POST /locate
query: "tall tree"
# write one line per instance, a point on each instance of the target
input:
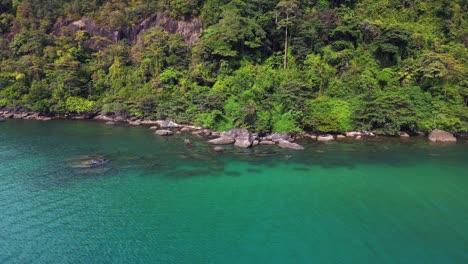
(287, 9)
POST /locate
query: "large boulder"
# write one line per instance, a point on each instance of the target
(441, 136)
(164, 132)
(243, 138)
(288, 145)
(222, 141)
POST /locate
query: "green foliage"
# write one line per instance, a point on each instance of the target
(79, 105)
(265, 65)
(329, 115)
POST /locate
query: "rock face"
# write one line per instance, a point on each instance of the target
(164, 132)
(325, 138)
(288, 145)
(222, 141)
(190, 29)
(441, 136)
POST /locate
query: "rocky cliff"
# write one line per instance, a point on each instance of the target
(190, 29)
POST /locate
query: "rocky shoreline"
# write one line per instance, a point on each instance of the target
(241, 138)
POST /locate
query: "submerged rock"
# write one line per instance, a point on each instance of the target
(164, 132)
(288, 145)
(89, 162)
(218, 149)
(2, 119)
(222, 141)
(441, 136)
(187, 142)
(110, 123)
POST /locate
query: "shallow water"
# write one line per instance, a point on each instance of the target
(159, 201)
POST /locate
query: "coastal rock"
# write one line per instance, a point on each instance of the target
(135, 123)
(325, 138)
(218, 149)
(2, 119)
(340, 137)
(149, 122)
(353, 134)
(243, 138)
(279, 136)
(358, 137)
(187, 142)
(202, 133)
(110, 123)
(167, 124)
(404, 135)
(103, 118)
(154, 128)
(185, 129)
(267, 142)
(164, 132)
(441, 136)
(288, 145)
(222, 141)
(44, 118)
(255, 143)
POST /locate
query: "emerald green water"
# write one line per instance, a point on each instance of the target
(159, 201)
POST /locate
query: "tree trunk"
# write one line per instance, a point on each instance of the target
(285, 60)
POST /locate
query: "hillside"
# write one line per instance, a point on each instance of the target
(265, 65)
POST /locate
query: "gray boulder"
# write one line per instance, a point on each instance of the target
(267, 142)
(441, 136)
(325, 138)
(222, 141)
(167, 124)
(164, 132)
(279, 136)
(288, 145)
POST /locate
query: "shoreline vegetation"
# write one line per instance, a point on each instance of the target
(384, 66)
(238, 137)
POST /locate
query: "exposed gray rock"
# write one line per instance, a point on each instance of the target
(267, 142)
(340, 137)
(167, 124)
(404, 135)
(222, 141)
(288, 145)
(325, 138)
(149, 122)
(154, 128)
(187, 141)
(164, 132)
(353, 134)
(185, 129)
(441, 136)
(279, 136)
(103, 118)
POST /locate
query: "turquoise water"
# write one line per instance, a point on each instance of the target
(159, 201)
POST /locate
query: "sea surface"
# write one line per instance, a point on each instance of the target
(160, 201)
